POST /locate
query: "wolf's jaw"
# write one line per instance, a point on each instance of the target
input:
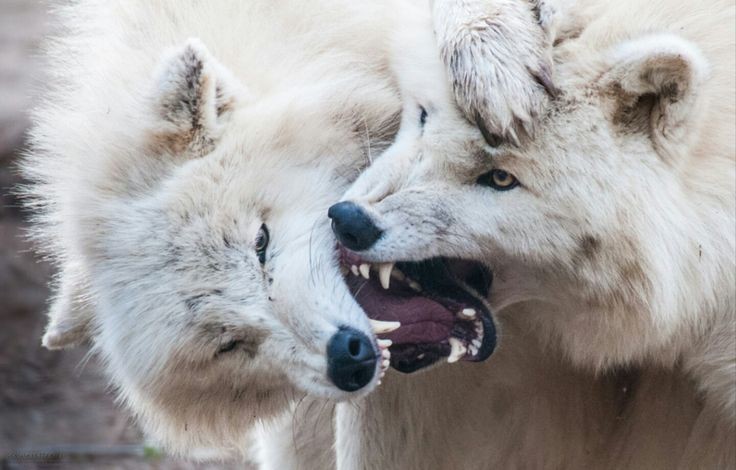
(461, 346)
(426, 313)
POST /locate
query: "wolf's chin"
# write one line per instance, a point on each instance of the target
(429, 310)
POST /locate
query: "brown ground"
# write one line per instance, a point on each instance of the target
(55, 409)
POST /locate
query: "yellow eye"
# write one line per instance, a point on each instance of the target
(499, 180)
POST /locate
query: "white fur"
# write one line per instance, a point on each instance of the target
(496, 57)
(171, 133)
(614, 262)
(156, 159)
(133, 211)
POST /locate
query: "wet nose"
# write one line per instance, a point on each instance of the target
(351, 359)
(353, 226)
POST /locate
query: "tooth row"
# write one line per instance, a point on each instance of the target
(385, 361)
(457, 348)
(385, 273)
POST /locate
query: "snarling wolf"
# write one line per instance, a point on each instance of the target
(182, 186)
(607, 225)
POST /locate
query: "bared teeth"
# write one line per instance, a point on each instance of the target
(476, 343)
(365, 270)
(414, 286)
(458, 350)
(468, 313)
(384, 274)
(380, 327)
(473, 350)
(384, 343)
(386, 360)
(354, 270)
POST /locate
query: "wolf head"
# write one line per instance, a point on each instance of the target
(212, 277)
(613, 228)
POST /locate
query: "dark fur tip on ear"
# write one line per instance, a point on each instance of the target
(184, 85)
(184, 95)
(193, 94)
(655, 82)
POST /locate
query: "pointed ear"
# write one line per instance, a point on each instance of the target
(193, 97)
(656, 84)
(70, 315)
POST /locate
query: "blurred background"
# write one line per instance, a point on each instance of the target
(55, 407)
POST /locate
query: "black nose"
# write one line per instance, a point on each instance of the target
(351, 360)
(352, 226)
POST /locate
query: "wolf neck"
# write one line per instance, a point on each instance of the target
(601, 335)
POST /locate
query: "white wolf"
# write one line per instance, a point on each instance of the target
(611, 238)
(183, 193)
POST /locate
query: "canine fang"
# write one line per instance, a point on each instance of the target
(384, 274)
(380, 327)
(458, 350)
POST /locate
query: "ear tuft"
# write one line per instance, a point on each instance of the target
(70, 315)
(66, 333)
(193, 96)
(656, 82)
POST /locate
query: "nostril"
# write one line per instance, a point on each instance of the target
(351, 359)
(354, 347)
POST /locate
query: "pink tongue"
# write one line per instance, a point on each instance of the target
(422, 320)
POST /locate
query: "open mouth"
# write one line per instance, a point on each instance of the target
(429, 310)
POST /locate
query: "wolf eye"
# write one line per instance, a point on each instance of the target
(422, 116)
(499, 180)
(262, 240)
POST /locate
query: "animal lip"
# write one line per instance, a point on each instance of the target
(427, 309)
